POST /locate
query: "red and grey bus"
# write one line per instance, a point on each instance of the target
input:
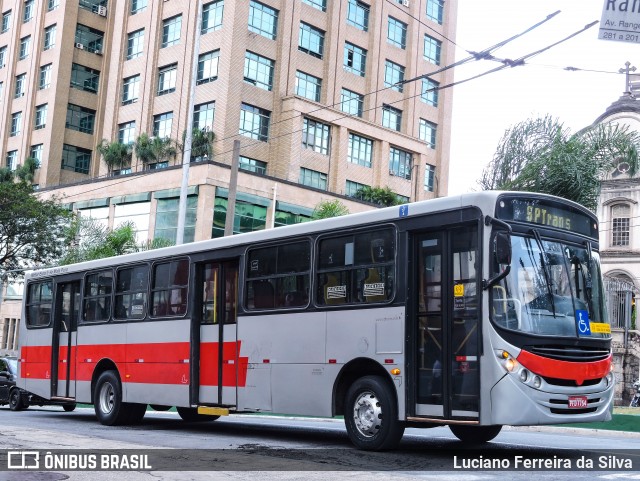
(474, 311)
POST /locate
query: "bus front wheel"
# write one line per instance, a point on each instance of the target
(474, 434)
(371, 415)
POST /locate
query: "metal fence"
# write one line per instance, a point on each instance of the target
(619, 296)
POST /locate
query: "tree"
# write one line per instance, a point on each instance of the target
(378, 195)
(88, 240)
(31, 230)
(329, 208)
(201, 144)
(154, 149)
(115, 154)
(541, 155)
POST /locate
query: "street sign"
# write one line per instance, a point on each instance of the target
(620, 21)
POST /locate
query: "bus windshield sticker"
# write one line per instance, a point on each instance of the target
(458, 290)
(336, 292)
(600, 327)
(375, 289)
(255, 265)
(404, 211)
(582, 321)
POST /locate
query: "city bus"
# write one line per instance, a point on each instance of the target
(474, 312)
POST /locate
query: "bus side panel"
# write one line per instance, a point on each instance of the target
(35, 368)
(157, 362)
(283, 342)
(97, 343)
(376, 334)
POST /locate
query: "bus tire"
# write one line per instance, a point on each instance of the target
(371, 415)
(69, 407)
(15, 400)
(475, 434)
(135, 412)
(107, 400)
(191, 415)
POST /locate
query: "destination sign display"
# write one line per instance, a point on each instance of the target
(546, 213)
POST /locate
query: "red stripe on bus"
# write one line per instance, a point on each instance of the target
(577, 371)
(154, 363)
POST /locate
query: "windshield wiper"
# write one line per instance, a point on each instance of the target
(547, 277)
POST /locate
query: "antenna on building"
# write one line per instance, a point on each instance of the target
(186, 153)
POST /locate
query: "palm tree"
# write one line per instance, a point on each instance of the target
(115, 154)
(329, 208)
(26, 172)
(154, 149)
(382, 196)
(201, 144)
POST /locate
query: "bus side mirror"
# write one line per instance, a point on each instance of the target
(502, 248)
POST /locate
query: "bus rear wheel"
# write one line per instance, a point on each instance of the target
(371, 415)
(107, 401)
(474, 434)
(191, 415)
(69, 407)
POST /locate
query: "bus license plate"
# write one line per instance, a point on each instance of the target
(577, 402)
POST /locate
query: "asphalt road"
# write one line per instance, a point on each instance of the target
(283, 448)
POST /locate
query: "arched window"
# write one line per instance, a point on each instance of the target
(620, 223)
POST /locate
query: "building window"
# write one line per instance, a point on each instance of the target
(393, 76)
(52, 5)
(94, 6)
(427, 132)
(360, 150)
(263, 20)
(429, 178)
(620, 225)
(167, 219)
(211, 16)
(432, 49)
(137, 6)
(400, 163)
(41, 117)
(3, 56)
(44, 81)
(49, 37)
(1, 91)
(130, 89)
(430, 92)
(435, 9)
(6, 21)
(253, 165)
(27, 13)
(12, 160)
(397, 33)
(138, 214)
(203, 116)
(36, 154)
(76, 159)
(162, 125)
(171, 31)
(311, 40)
(258, 70)
(319, 4)
(355, 59)
(80, 118)
(167, 79)
(308, 86)
(135, 44)
(312, 178)
(351, 102)
(20, 85)
(352, 188)
(391, 117)
(248, 217)
(358, 15)
(90, 38)
(254, 122)
(315, 136)
(84, 78)
(208, 67)
(127, 133)
(25, 47)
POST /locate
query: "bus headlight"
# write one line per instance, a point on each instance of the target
(537, 382)
(524, 375)
(508, 362)
(609, 379)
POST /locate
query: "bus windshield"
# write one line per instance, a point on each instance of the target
(551, 287)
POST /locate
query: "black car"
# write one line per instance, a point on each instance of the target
(17, 398)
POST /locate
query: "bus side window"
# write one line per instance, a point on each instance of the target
(169, 288)
(131, 292)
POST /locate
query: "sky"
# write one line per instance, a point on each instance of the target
(484, 108)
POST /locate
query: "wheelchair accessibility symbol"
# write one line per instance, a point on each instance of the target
(582, 322)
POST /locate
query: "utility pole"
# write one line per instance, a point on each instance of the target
(186, 155)
(233, 188)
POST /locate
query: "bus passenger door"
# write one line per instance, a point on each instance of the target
(65, 325)
(219, 349)
(446, 321)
